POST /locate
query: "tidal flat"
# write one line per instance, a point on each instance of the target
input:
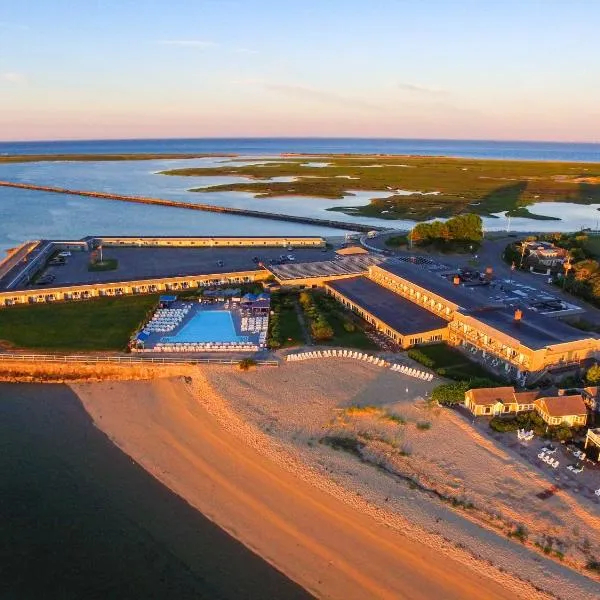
(442, 186)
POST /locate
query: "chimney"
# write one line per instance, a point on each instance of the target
(456, 280)
(518, 314)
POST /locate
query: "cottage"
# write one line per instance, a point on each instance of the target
(562, 410)
(497, 401)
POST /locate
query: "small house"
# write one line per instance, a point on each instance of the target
(562, 410)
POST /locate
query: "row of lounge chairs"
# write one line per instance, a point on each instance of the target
(548, 460)
(337, 354)
(203, 347)
(412, 372)
(166, 319)
(254, 324)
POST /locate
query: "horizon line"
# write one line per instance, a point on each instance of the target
(308, 137)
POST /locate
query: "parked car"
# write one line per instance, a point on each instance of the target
(291, 257)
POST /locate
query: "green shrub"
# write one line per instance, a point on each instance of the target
(525, 420)
(246, 363)
(593, 375)
(520, 533)
(423, 425)
(420, 357)
(449, 394)
(349, 326)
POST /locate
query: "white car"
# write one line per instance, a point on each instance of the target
(291, 257)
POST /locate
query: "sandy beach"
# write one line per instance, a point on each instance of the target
(328, 547)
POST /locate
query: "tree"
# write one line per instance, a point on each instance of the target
(593, 375)
(585, 269)
(450, 393)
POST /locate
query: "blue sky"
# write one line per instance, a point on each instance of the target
(482, 69)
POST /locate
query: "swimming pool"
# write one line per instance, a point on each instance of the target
(208, 326)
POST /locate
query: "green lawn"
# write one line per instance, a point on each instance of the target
(337, 315)
(99, 324)
(455, 364)
(285, 330)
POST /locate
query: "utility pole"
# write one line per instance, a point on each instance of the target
(508, 224)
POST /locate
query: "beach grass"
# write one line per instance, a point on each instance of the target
(99, 324)
(441, 186)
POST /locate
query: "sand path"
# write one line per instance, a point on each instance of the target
(320, 542)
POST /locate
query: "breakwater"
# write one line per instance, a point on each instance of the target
(242, 212)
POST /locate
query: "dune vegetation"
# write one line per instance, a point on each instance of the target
(440, 186)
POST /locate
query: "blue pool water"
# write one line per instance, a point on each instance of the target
(208, 326)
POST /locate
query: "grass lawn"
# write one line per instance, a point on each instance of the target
(99, 324)
(284, 326)
(337, 315)
(455, 364)
(291, 330)
(108, 264)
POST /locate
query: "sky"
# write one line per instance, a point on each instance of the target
(454, 69)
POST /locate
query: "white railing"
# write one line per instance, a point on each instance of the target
(83, 358)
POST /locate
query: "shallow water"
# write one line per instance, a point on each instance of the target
(80, 519)
(26, 214)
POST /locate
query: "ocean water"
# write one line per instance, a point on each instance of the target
(80, 519)
(265, 146)
(26, 215)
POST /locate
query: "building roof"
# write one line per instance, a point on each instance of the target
(399, 314)
(488, 396)
(467, 299)
(506, 395)
(533, 330)
(526, 397)
(350, 250)
(346, 265)
(562, 406)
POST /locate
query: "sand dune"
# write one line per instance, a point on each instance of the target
(327, 546)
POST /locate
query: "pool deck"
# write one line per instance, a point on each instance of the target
(243, 333)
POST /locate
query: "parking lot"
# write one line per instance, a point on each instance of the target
(143, 263)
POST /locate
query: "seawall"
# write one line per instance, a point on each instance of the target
(242, 212)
